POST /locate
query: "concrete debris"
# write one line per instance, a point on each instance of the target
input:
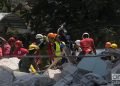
(77, 78)
(27, 79)
(68, 74)
(54, 74)
(6, 76)
(11, 63)
(116, 70)
(95, 65)
(10, 78)
(90, 71)
(68, 69)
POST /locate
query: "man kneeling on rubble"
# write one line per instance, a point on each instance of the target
(28, 64)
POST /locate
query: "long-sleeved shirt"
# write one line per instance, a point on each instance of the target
(87, 45)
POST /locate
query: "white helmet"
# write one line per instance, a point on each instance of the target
(77, 42)
(85, 34)
(39, 36)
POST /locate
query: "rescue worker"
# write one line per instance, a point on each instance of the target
(26, 62)
(58, 45)
(42, 43)
(77, 48)
(6, 49)
(107, 45)
(19, 50)
(65, 36)
(11, 41)
(114, 46)
(87, 44)
(50, 47)
(62, 33)
(39, 39)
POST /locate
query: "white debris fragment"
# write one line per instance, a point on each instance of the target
(53, 73)
(11, 63)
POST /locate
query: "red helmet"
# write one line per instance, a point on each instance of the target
(18, 43)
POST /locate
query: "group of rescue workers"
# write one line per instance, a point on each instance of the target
(46, 50)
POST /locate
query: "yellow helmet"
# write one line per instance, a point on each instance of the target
(114, 45)
(33, 46)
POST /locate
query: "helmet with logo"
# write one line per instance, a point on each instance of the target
(18, 43)
(33, 46)
(107, 44)
(114, 46)
(39, 36)
(85, 35)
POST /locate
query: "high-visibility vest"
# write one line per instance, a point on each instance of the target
(57, 50)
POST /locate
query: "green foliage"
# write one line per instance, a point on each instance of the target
(5, 6)
(99, 17)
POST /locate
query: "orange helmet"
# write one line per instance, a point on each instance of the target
(107, 44)
(18, 43)
(51, 35)
(55, 34)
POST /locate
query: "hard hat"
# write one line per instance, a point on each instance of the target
(18, 43)
(55, 35)
(85, 34)
(77, 42)
(51, 35)
(33, 46)
(114, 45)
(39, 36)
(107, 44)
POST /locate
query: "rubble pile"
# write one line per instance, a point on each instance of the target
(90, 71)
(10, 75)
(26, 79)
(6, 76)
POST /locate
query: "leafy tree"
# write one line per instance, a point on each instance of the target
(99, 17)
(5, 6)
